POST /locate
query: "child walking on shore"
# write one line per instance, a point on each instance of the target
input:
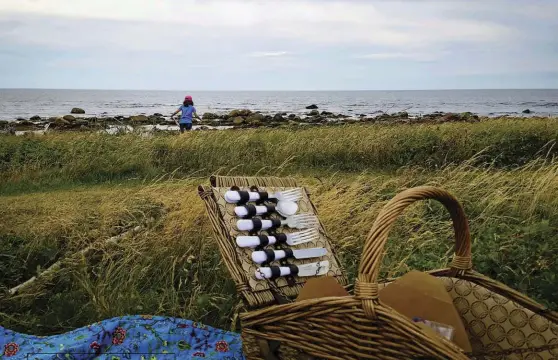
(188, 111)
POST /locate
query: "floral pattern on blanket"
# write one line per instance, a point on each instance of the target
(126, 338)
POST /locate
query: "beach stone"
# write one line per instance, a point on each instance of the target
(20, 119)
(257, 117)
(69, 118)
(241, 112)
(82, 123)
(312, 107)
(139, 118)
(61, 121)
(77, 111)
(239, 120)
(35, 118)
(256, 122)
(278, 117)
(314, 113)
(292, 116)
(327, 113)
(158, 115)
(210, 116)
(526, 111)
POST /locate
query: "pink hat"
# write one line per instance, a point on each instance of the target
(188, 97)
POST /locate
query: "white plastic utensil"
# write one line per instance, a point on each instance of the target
(292, 239)
(300, 221)
(270, 255)
(286, 208)
(313, 269)
(233, 196)
(283, 208)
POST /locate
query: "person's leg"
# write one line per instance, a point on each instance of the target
(182, 126)
(189, 126)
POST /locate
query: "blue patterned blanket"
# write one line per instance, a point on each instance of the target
(126, 337)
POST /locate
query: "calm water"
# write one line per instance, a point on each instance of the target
(45, 103)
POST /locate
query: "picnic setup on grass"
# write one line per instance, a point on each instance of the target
(299, 303)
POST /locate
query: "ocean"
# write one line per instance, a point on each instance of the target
(25, 103)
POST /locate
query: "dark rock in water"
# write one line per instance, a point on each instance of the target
(284, 114)
(158, 115)
(292, 116)
(35, 118)
(210, 116)
(77, 111)
(278, 118)
(314, 113)
(21, 119)
(69, 118)
(312, 107)
(242, 112)
(327, 113)
(526, 111)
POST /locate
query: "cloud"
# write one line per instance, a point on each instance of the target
(331, 22)
(275, 44)
(410, 56)
(269, 53)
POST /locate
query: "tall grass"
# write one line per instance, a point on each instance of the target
(61, 158)
(173, 267)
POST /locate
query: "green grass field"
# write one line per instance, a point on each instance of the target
(62, 193)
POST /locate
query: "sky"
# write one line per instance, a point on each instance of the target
(278, 44)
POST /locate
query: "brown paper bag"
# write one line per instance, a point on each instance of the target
(321, 287)
(417, 294)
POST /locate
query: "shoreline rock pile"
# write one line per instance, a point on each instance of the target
(238, 118)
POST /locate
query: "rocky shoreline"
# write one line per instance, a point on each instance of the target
(240, 118)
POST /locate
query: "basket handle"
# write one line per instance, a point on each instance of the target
(366, 285)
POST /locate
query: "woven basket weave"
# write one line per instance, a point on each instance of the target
(501, 323)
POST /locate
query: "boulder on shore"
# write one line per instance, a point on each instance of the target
(278, 117)
(77, 111)
(35, 118)
(69, 118)
(210, 116)
(241, 112)
(312, 107)
(239, 120)
(256, 118)
(526, 111)
(314, 113)
(139, 118)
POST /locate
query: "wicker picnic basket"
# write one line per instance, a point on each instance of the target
(501, 323)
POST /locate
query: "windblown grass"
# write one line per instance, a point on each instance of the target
(56, 159)
(173, 267)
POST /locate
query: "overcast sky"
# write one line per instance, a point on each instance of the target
(278, 44)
